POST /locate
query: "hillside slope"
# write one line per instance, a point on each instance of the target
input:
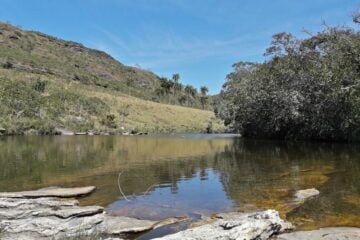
(35, 52)
(48, 83)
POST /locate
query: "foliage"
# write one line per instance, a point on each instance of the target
(173, 92)
(307, 89)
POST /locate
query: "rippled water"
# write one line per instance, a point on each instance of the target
(192, 175)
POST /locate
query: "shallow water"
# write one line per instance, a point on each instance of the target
(192, 175)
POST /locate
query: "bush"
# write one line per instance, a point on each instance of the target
(7, 65)
(39, 86)
(109, 121)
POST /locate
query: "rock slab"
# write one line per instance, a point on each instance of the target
(41, 214)
(338, 233)
(50, 192)
(242, 226)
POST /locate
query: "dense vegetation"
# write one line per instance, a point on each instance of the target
(307, 89)
(48, 83)
(171, 91)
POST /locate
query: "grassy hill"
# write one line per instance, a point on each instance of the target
(36, 52)
(46, 83)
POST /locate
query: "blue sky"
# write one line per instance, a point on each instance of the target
(200, 39)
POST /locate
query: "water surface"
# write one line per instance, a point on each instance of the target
(154, 177)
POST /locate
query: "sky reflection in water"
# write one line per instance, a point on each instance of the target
(201, 194)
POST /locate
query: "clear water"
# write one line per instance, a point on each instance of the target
(191, 175)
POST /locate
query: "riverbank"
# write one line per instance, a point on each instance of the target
(53, 213)
(119, 132)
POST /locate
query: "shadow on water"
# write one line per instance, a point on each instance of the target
(192, 175)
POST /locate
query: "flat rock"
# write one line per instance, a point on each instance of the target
(48, 218)
(81, 133)
(336, 233)
(244, 226)
(50, 192)
(56, 218)
(60, 212)
(303, 195)
(115, 225)
(50, 227)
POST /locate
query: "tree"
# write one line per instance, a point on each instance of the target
(356, 17)
(176, 77)
(307, 89)
(188, 91)
(166, 85)
(204, 90)
(176, 84)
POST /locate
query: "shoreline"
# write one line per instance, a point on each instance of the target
(131, 133)
(53, 213)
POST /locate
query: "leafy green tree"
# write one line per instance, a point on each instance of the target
(307, 89)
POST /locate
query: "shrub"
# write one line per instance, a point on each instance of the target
(39, 86)
(109, 121)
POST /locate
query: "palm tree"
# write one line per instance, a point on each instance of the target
(193, 92)
(188, 91)
(204, 90)
(176, 79)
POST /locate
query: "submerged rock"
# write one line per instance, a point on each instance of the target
(302, 195)
(244, 226)
(336, 233)
(115, 225)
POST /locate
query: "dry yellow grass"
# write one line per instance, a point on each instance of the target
(156, 117)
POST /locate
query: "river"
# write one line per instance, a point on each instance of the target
(154, 177)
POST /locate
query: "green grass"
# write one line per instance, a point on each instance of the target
(24, 108)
